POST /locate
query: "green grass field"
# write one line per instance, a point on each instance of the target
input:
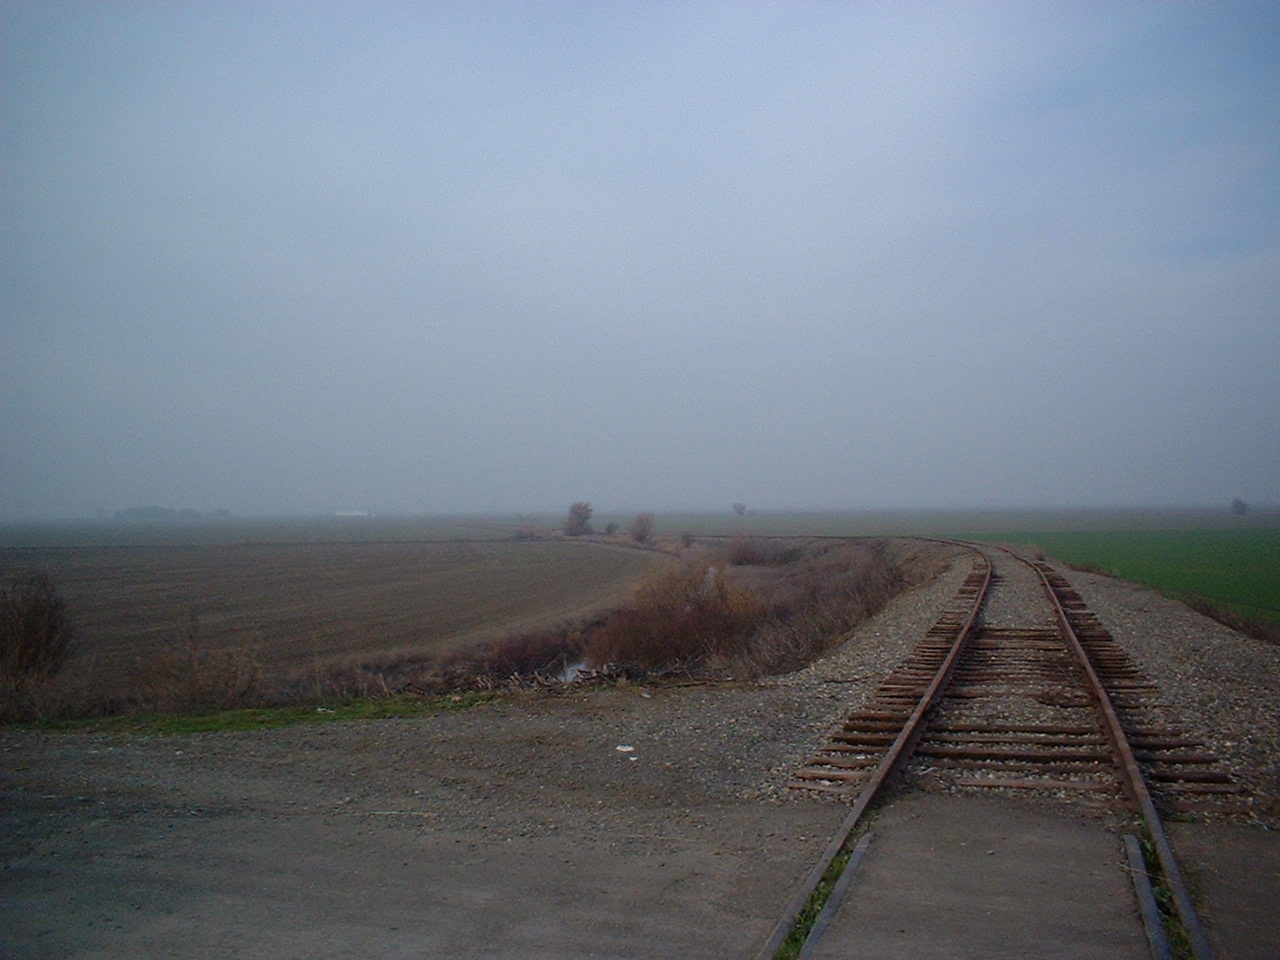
(1237, 569)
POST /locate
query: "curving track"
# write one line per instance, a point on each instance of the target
(997, 697)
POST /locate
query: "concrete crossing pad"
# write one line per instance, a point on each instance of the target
(959, 877)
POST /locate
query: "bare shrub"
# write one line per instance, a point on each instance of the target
(578, 522)
(347, 681)
(753, 619)
(816, 602)
(35, 631)
(515, 659)
(35, 635)
(642, 528)
(745, 552)
(754, 551)
(527, 655)
(189, 673)
(684, 615)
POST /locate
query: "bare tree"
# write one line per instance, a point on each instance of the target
(578, 522)
(1239, 507)
(740, 509)
(642, 528)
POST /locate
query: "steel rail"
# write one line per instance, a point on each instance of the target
(899, 752)
(1135, 783)
(1132, 780)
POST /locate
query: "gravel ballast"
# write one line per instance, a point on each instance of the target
(1219, 684)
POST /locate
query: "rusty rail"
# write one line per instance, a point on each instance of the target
(1134, 782)
(890, 763)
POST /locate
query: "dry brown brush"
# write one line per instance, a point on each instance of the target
(815, 601)
(35, 636)
(686, 616)
(189, 674)
(511, 660)
(749, 619)
(761, 551)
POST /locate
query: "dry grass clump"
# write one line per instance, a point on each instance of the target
(761, 552)
(36, 634)
(187, 674)
(750, 551)
(514, 659)
(34, 630)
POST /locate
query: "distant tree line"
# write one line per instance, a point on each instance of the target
(154, 513)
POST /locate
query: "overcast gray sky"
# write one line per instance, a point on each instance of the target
(466, 257)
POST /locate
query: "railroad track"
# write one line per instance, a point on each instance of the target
(994, 697)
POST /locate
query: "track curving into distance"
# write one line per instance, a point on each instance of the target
(997, 697)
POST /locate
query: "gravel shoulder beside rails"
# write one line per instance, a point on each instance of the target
(1222, 685)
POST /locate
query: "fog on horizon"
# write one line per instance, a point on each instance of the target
(285, 258)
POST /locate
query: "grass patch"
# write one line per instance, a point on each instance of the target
(794, 943)
(1179, 941)
(1236, 570)
(379, 708)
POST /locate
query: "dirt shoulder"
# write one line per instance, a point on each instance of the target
(511, 830)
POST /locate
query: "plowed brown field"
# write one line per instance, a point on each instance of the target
(305, 604)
